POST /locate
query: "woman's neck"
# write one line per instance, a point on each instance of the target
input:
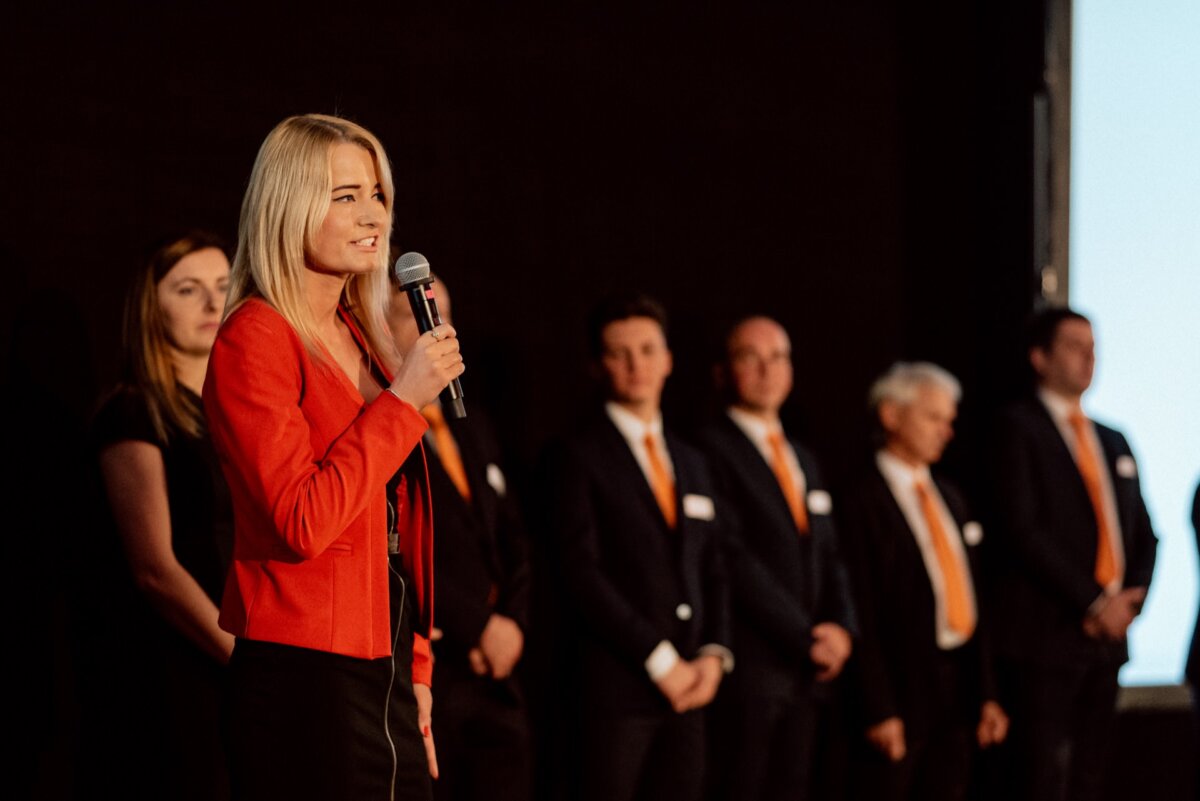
(190, 370)
(324, 292)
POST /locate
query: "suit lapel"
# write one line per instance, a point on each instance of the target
(759, 476)
(1061, 453)
(626, 467)
(899, 523)
(688, 542)
(1124, 506)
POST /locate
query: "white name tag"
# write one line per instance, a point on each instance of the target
(495, 479)
(972, 533)
(699, 507)
(819, 502)
(1126, 467)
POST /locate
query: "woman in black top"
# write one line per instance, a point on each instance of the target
(171, 510)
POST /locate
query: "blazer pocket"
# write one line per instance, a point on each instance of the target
(340, 549)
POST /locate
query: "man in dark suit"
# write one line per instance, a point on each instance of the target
(481, 593)
(636, 521)
(1077, 552)
(792, 611)
(924, 683)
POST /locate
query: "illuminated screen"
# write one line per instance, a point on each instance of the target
(1135, 270)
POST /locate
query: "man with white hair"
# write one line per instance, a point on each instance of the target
(923, 677)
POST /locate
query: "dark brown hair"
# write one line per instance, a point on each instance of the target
(145, 348)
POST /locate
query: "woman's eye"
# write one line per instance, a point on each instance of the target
(186, 290)
(380, 197)
(344, 199)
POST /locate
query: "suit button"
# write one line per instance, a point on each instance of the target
(683, 612)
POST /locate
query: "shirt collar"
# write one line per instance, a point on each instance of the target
(1060, 407)
(630, 425)
(900, 473)
(753, 426)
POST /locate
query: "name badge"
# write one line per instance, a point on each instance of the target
(495, 480)
(972, 533)
(699, 507)
(1126, 467)
(819, 502)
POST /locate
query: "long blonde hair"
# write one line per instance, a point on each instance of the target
(146, 352)
(285, 205)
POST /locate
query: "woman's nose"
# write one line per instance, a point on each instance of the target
(371, 215)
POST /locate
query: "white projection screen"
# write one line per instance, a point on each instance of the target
(1135, 270)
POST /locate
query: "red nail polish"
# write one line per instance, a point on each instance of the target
(425, 731)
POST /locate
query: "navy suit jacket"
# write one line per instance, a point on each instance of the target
(481, 555)
(632, 581)
(1047, 540)
(895, 663)
(782, 583)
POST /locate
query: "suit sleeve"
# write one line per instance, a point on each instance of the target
(599, 602)
(867, 562)
(981, 640)
(422, 661)
(837, 605)
(1022, 528)
(513, 543)
(252, 400)
(1142, 544)
(719, 625)
(462, 610)
(754, 589)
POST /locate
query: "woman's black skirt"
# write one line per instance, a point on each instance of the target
(306, 724)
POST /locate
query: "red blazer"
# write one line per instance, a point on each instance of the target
(307, 462)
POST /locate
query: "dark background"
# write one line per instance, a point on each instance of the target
(861, 170)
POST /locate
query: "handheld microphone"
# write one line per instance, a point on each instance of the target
(412, 273)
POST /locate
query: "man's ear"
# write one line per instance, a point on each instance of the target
(1038, 359)
(720, 376)
(889, 415)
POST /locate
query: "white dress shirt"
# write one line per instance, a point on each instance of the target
(902, 480)
(634, 429)
(1060, 410)
(758, 431)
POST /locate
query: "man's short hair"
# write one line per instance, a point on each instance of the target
(727, 352)
(1043, 326)
(621, 307)
(903, 380)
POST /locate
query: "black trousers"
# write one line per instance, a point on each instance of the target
(643, 757)
(939, 751)
(307, 724)
(762, 745)
(482, 737)
(1063, 727)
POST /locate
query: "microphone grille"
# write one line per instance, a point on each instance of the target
(411, 267)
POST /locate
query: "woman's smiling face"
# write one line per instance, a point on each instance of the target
(355, 227)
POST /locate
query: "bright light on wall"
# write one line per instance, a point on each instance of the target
(1135, 269)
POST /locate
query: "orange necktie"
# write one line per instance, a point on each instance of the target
(1089, 469)
(787, 483)
(959, 614)
(447, 449)
(660, 483)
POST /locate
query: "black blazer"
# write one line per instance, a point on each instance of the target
(1046, 540)
(632, 581)
(782, 584)
(896, 663)
(481, 558)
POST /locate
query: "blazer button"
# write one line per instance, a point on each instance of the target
(683, 612)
